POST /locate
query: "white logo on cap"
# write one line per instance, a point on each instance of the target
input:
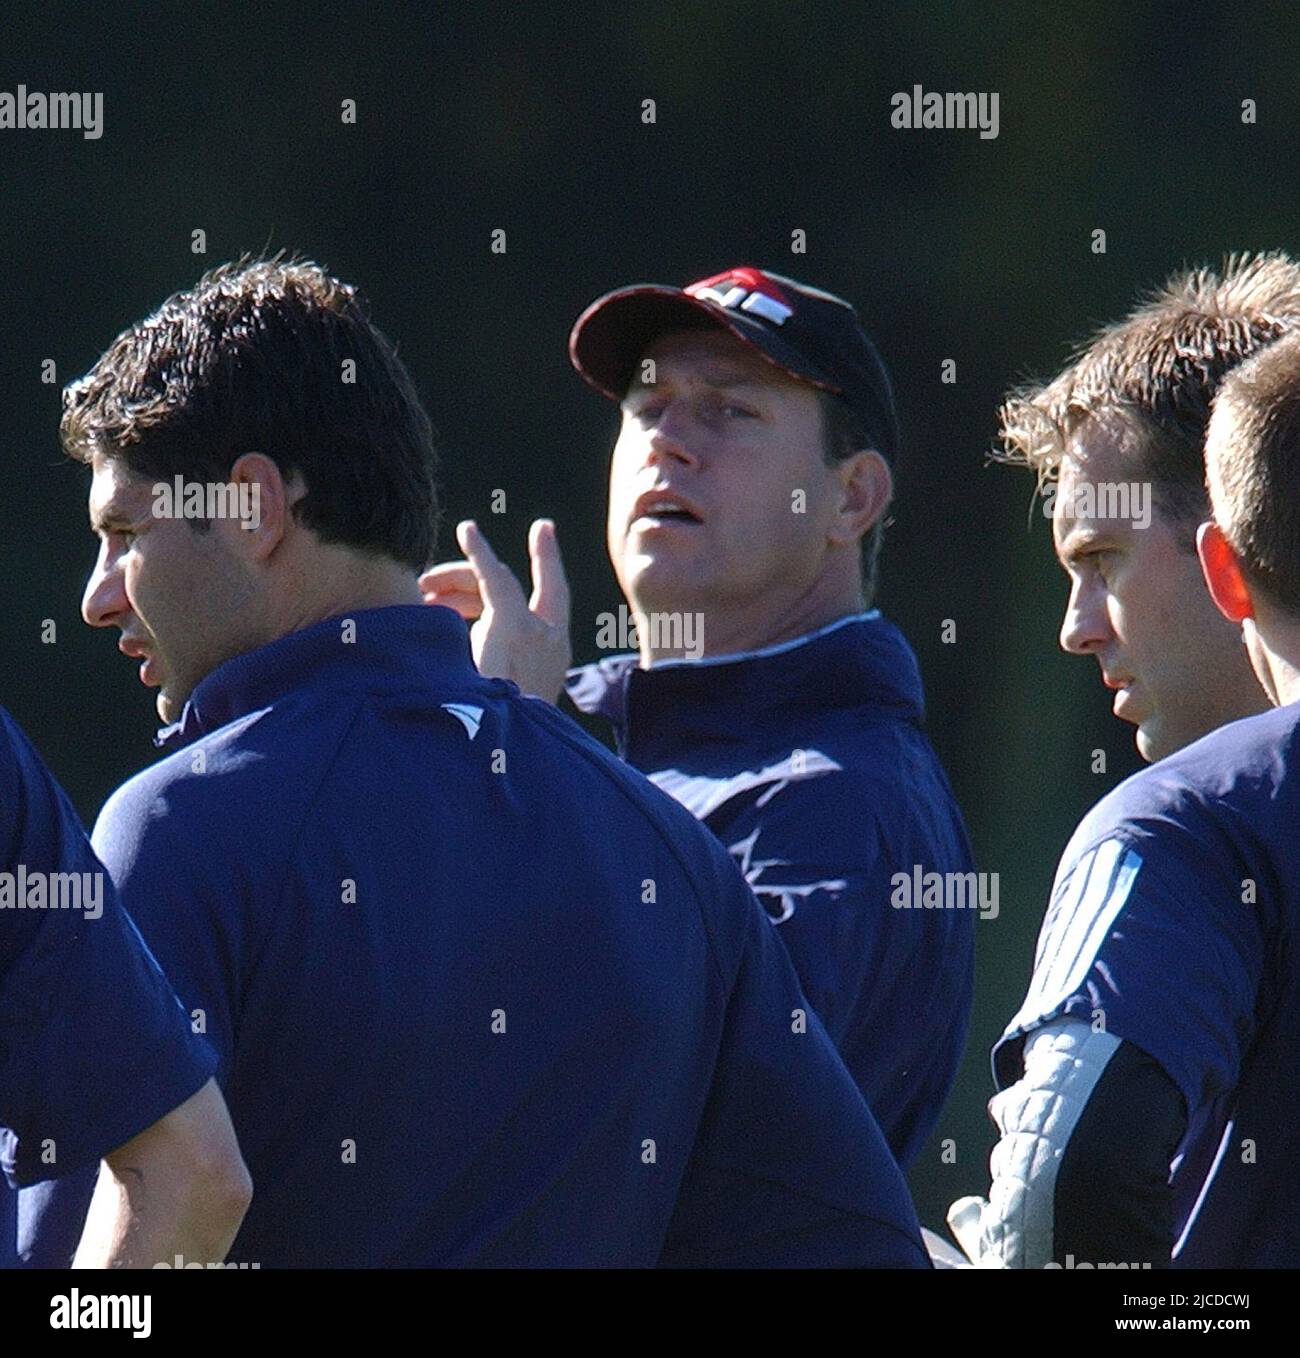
(757, 302)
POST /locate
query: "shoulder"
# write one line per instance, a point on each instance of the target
(37, 821)
(849, 800)
(1205, 795)
(22, 771)
(820, 795)
(241, 784)
(637, 801)
(13, 745)
(200, 771)
(635, 815)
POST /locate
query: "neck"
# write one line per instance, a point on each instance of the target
(1274, 646)
(343, 582)
(1284, 674)
(721, 630)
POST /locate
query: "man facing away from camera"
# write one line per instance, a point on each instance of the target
(748, 489)
(98, 1065)
(480, 994)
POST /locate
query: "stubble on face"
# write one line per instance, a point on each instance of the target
(172, 587)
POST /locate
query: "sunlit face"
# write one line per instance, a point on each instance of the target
(180, 597)
(733, 450)
(1138, 603)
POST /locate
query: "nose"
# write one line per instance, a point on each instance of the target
(1086, 625)
(672, 438)
(104, 600)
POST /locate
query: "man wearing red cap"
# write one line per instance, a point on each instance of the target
(748, 487)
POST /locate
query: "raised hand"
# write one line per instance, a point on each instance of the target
(526, 640)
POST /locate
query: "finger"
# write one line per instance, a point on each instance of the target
(468, 605)
(550, 600)
(501, 591)
(450, 575)
(965, 1221)
(942, 1254)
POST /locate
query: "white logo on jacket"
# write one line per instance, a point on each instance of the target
(778, 900)
(702, 795)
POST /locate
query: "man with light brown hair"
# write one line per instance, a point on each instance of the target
(1156, 1120)
(1117, 442)
(1105, 1072)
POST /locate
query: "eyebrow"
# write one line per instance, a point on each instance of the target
(717, 381)
(109, 518)
(1083, 542)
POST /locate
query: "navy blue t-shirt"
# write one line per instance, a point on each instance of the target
(810, 762)
(1174, 922)
(94, 1046)
(482, 995)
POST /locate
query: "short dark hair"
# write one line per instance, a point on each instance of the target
(844, 434)
(272, 356)
(1253, 466)
(1159, 369)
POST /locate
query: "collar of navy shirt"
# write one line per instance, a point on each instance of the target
(862, 660)
(418, 646)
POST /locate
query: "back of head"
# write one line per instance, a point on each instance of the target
(272, 356)
(1253, 470)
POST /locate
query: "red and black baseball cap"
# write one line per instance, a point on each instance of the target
(811, 335)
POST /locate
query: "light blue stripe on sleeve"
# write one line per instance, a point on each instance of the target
(1079, 926)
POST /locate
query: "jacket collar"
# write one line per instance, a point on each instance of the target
(405, 646)
(858, 661)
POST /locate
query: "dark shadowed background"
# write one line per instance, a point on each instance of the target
(771, 118)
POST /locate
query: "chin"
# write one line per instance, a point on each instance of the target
(659, 585)
(1148, 748)
(169, 707)
(1156, 742)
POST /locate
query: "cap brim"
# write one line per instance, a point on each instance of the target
(609, 338)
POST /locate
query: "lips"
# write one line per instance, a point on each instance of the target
(148, 669)
(1126, 705)
(664, 506)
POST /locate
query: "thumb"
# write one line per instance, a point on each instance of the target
(550, 601)
(966, 1224)
(942, 1255)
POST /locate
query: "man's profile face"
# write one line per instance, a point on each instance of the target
(1138, 602)
(179, 596)
(740, 444)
